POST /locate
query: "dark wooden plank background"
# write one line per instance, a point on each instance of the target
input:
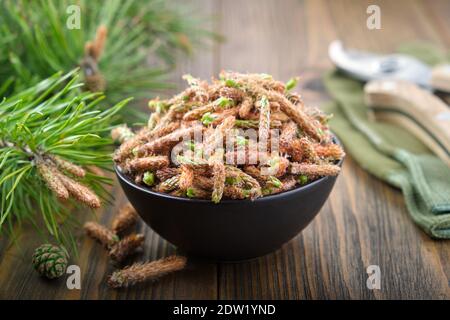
(364, 221)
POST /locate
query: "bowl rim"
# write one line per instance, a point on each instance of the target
(124, 178)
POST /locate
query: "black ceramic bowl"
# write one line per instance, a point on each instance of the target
(233, 229)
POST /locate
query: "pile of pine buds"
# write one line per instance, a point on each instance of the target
(242, 136)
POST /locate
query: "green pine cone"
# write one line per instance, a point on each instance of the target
(50, 261)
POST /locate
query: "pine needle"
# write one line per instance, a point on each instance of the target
(51, 120)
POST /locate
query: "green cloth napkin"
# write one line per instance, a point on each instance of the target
(391, 153)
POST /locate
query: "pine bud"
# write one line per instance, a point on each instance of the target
(203, 182)
(264, 124)
(274, 182)
(207, 118)
(52, 180)
(295, 113)
(292, 83)
(302, 179)
(315, 170)
(166, 142)
(150, 271)
(309, 153)
(125, 220)
(167, 173)
(79, 191)
(219, 181)
(121, 133)
(331, 151)
(186, 177)
(149, 178)
(170, 184)
(68, 166)
(153, 120)
(199, 112)
(125, 247)
(148, 163)
(194, 192)
(100, 233)
(246, 107)
(224, 102)
(99, 42)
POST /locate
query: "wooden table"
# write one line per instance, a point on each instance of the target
(363, 223)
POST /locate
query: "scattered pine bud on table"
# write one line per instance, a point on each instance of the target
(236, 121)
(126, 247)
(142, 272)
(125, 220)
(50, 261)
(100, 233)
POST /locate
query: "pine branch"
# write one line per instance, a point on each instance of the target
(37, 42)
(50, 135)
